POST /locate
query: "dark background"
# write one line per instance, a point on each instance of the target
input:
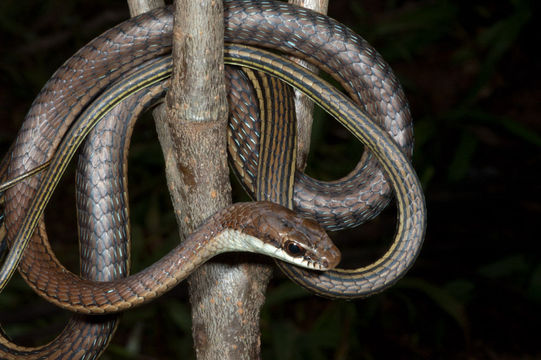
(471, 76)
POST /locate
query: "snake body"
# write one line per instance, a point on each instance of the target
(266, 165)
(149, 32)
(104, 240)
(241, 18)
(361, 282)
(101, 180)
(337, 50)
(86, 337)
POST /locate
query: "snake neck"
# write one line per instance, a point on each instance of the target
(74, 293)
(239, 227)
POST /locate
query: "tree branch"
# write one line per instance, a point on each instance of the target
(226, 297)
(138, 7)
(304, 107)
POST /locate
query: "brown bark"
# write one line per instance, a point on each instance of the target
(138, 7)
(226, 297)
(304, 107)
(193, 133)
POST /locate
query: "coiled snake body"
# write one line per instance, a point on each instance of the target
(251, 23)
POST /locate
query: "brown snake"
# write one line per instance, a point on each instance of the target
(104, 246)
(357, 55)
(95, 195)
(393, 97)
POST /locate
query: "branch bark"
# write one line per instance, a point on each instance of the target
(304, 107)
(226, 297)
(138, 7)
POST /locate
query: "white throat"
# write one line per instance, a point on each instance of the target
(236, 240)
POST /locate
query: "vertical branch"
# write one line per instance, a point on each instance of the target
(304, 107)
(192, 135)
(138, 7)
(226, 297)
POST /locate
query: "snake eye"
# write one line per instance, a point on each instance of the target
(293, 249)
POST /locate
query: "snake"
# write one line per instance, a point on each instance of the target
(104, 239)
(403, 178)
(337, 49)
(408, 191)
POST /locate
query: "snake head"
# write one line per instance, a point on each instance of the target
(284, 235)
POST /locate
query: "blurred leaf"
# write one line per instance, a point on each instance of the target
(284, 292)
(326, 329)
(133, 345)
(442, 298)
(497, 40)
(427, 175)
(153, 215)
(477, 116)
(534, 289)
(180, 314)
(461, 290)
(462, 158)
(424, 130)
(115, 351)
(512, 265)
(411, 28)
(284, 341)
(519, 130)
